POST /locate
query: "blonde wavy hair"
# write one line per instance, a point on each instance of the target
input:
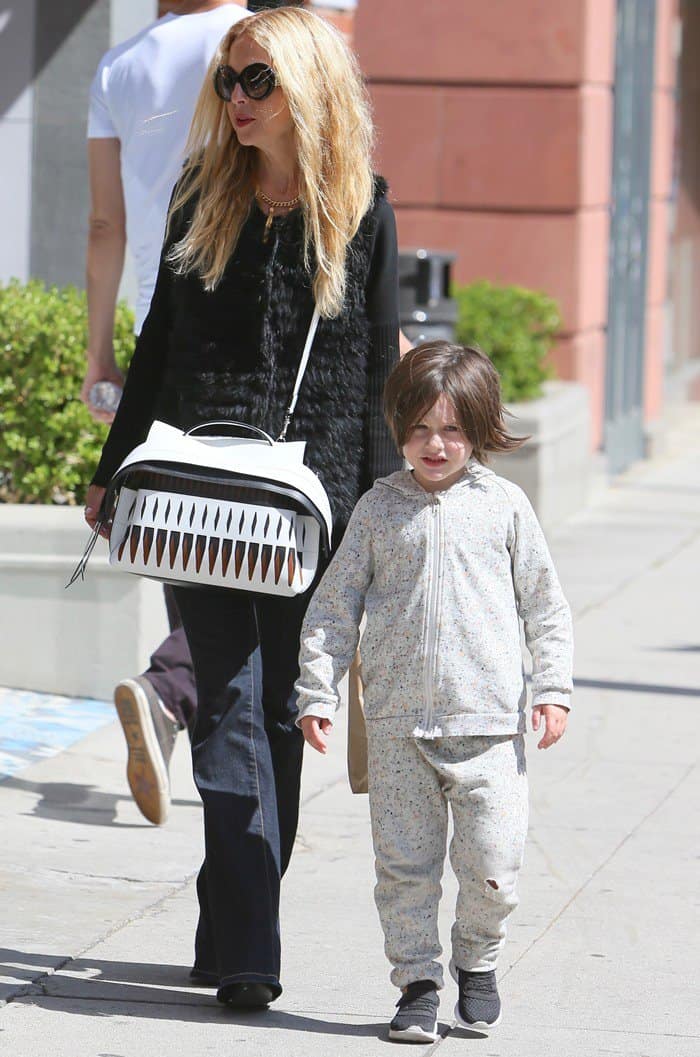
(330, 109)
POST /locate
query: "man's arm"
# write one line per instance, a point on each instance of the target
(104, 264)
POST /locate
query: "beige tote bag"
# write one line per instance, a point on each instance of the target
(357, 731)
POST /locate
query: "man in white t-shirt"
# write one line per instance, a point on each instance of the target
(141, 104)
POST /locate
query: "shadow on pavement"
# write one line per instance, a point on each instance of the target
(82, 804)
(92, 987)
(638, 688)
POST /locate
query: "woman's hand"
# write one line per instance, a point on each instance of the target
(315, 731)
(93, 502)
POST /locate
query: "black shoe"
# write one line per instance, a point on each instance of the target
(150, 737)
(479, 1005)
(416, 1020)
(246, 995)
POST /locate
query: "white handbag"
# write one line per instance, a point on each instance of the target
(219, 511)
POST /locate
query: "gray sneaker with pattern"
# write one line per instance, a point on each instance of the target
(479, 1004)
(416, 1019)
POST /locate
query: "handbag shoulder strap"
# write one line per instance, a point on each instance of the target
(300, 372)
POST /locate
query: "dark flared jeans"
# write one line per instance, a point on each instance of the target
(246, 753)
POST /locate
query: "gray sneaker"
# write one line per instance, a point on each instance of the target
(416, 1019)
(479, 1005)
(150, 737)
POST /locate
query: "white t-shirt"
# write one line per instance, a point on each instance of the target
(144, 94)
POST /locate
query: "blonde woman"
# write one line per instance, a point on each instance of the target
(277, 208)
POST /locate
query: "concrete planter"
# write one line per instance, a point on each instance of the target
(77, 642)
(554, 467)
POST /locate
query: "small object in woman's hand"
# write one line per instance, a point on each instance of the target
(105, 396)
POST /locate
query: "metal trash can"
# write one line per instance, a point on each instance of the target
(426, 310)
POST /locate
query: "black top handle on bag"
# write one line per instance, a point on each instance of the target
(230, 423)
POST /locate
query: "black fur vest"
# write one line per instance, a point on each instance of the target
(233, 353)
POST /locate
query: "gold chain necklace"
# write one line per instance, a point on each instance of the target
(272, 206)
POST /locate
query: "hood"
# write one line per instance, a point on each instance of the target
(404, 481)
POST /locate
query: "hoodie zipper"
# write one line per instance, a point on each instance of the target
(433, 612)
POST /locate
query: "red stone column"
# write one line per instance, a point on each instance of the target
(495, 132)
(494, 125)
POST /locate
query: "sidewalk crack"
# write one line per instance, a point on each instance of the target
(22, 990)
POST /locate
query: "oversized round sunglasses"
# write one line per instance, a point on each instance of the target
(257, 81)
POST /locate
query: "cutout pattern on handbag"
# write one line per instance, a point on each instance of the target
(234, 539)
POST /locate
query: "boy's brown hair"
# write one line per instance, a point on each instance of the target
(462, 373)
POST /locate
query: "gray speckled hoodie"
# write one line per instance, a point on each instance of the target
(443, 578)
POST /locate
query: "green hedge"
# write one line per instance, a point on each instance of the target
(49, 444)
(515, 327)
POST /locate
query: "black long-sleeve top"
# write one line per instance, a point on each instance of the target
(233, 352)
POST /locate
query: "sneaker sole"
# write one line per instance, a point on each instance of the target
(146, 772)
(478, 1025)
(414, 1034)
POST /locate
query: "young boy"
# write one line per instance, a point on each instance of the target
(444, 558)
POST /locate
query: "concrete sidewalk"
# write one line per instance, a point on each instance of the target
(602, 956)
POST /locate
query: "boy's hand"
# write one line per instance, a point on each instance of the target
(555, 720)
(315, 731)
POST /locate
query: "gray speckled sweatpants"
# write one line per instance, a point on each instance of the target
(411, 783)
